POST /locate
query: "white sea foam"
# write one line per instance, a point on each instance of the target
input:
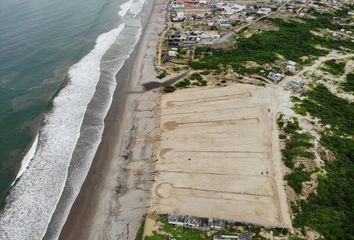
(32, 200)
(87, 151)
(136, 7)
(84, 152)
(28, 157)
(125, 8)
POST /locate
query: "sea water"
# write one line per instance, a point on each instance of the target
(57, 60)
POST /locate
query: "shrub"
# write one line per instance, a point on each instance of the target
(205, 72)
(162, 74)
(169, 89)
(348, 85)
(297, 145)
(334, 67)
(183, 84)
(196, 76)
(296, 178)
(330, 109)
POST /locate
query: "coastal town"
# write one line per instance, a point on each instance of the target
(177, 120)
(241, 150)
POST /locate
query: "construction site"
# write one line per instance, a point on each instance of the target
(219, 157)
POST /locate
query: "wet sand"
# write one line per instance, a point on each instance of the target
(116, 192)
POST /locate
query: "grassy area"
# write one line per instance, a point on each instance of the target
(292, 40)
(348, 85)
(334, 67)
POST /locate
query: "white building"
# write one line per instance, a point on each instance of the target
(264, 11)
(275, 77)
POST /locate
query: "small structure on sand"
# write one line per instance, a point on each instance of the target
(196, 222)
(244, 236)
(295, 85)
(275, 77)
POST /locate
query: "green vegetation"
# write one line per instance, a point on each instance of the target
(348, 85)
(330, 209)
(292, 40)
(178, 233)
(140, 233)
(330, 109)
(162, 74)
(182, 51)
(169, 231)
(196, 76)
(201, 83)
(297, 144)
(156, 237)
(185, 83)
(243, 70)
(195, 79)
(297, 177)
(169, 89)
(205, 72)
(334, 67)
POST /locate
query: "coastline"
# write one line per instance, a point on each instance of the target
(113, 197)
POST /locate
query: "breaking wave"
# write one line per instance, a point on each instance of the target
(125, 8)
(28, 200)
(38, 202)
(136, 7)
(28, 157)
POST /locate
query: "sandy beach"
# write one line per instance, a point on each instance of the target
(115, 194)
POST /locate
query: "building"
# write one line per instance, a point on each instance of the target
(196, 222)
(216, 224)
(225, 237)
(225, 24)
(178, 4)
(291, 68)
(187, 221)
(172, 53)
(275, 77)
(292, 63)
(295, 85)
(244, 236)
(264, 11)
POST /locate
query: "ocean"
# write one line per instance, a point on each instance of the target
(59, 68)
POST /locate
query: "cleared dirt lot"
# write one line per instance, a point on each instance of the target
(218, 156)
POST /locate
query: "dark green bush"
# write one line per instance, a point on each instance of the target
(330, 109)
(334, 67)
(348, 85)
(162, 75)
(296, 178)
(196, 76)
(169, 89)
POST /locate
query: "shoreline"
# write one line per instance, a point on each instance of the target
(98, 211)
